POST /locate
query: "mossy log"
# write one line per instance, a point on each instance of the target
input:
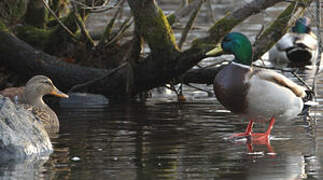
(51, 40)
(26, 61)
(164, 64)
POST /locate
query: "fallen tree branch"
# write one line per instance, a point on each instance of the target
(150, 72)
(28, 62)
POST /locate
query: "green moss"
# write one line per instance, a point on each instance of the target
(217, 31)
(160, 37)
(223, 26)
(281, 22)
(168, 28)
(3, 27)
(171, 18)
(36, 37)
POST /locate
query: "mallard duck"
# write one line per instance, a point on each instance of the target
(255, 94)
(297, 48)
(31, 97)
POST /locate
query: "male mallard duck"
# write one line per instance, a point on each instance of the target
(297, 48)
(32, 99)
(256, 94)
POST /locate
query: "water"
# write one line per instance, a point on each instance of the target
(161, 139)
(165, 140)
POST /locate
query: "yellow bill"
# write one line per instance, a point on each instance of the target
(58, 93)
(217, 50)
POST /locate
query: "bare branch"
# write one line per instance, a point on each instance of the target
(98, 9)
(189, 25)
(184, 11)
(59, 21)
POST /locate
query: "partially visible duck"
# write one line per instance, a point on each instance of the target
(31, 97)
(297, 48)
(255, 94)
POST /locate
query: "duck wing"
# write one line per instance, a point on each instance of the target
(307, 40)
(286, 42)
(283, 81)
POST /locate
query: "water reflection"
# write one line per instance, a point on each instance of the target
(165, 140)
(158, 140)
(30, 168)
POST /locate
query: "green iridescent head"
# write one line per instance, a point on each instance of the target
(302, 25)
(239, 45)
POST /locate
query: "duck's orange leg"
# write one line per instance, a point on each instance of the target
(256, 136)
(248, 131)
(262, 137)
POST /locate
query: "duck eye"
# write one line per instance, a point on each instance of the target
(47, 82)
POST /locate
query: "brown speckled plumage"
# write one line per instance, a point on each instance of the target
(31, 99)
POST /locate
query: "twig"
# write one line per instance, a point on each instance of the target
(274, 68)
(59, 21)
(172, 88)
(97, 9)
(209, 94)
(184, 11)
(210, 10)
(303, 82)
(99, 78)
(123, 28)
(80, 22)
(109, 27)
(189, 25)
(260, 32)
(318, 60)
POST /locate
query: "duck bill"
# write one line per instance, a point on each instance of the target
(313, 35)
(58, 93)
(217, 50)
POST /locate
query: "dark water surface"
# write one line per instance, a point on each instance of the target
(161, 139)
(164, 140)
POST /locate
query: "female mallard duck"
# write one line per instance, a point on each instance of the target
(32, 99)
(256, 94)
(297, 48)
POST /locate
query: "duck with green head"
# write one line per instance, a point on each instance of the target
(297, 48)
(255, 94)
